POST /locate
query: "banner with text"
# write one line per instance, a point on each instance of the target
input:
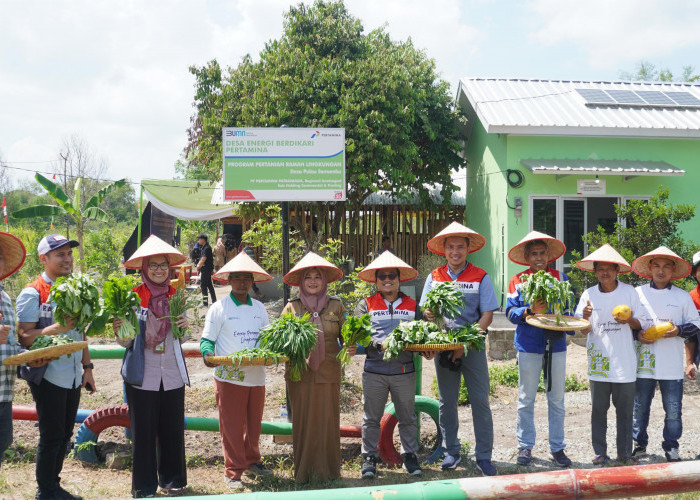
(284, 164)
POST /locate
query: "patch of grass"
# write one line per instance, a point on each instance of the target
(195, 461)
(19, 453)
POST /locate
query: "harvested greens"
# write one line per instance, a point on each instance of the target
(76, 296)
(180, 302)
(120, 302)
(425, 332)
(356, 330)
(542, 286)
(248, 354)
(445, 300)
(293, 336)
(49, 341)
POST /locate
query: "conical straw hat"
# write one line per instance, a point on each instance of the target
(556, 248)
(331, 272)
(437, 243)
(387, 260)
(241, 263)
(642, 265)
(13, 252)
(608, 254)
(155, 246)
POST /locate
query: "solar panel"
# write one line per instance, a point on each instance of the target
(684, 98)
(655, 98)
(595, 96)
(625, 97)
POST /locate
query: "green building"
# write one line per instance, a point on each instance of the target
(555, 156)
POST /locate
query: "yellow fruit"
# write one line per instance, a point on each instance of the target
(622, 312)
(658, 330)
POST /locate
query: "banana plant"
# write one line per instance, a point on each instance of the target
(70, 207)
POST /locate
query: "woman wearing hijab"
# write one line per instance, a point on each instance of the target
(315, 399)
(155, 375)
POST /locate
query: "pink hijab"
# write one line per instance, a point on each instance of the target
(315, 303)
(158, 307)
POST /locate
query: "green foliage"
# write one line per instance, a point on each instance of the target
(647, 226)
(646, 71)
(76, 296)
(266, 233)
(427, 262)
(350, 289)
(190, 229)
(32, 267)
(120, 302)
(103, 249)
(84, 446)
(293, 336)
(121, 207)
(544, 288)
(444, 299)
(355, 330)
(325, 71)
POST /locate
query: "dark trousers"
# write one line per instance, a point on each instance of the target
(158, 439)
(56, 408)
(622, 395)
(207, 286)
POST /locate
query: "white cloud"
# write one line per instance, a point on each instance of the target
(612, 33)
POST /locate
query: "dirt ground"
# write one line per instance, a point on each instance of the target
(203, 449)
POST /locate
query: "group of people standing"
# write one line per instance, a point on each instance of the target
(623, 365)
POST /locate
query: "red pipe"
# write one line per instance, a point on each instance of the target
(351, 431)
(24, 413)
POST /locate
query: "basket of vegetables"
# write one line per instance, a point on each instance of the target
(356, 330)
(426, 336)
(46, 346)
(543, 288)
(120, 302)
(250, 356)
(294, 337)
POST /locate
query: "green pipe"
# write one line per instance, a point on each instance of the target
(106, 351)
(212, 425)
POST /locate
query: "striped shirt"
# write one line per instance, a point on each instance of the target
(8, 373)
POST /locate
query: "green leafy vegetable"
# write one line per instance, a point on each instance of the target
(49, 341)
(355, 331)
(76, 296)
(120, 302)
(425, 332)
(180, 302)
(293, 336)
(445, 300)
(250, 353)
(542, 286)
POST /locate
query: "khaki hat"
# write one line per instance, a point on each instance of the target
(13, 252)
(605, 253)
(642, 265)
(555, 247)
(241, 263)
(331, 272)
(437, 243)
(155, 246)
(387, 260)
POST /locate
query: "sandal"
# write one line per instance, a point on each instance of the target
(600, 459)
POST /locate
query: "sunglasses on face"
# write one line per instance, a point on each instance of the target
(163, 266)
(387, 276)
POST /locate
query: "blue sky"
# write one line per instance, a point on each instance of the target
(116, 73)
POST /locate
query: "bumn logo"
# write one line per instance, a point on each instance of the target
(235, 133)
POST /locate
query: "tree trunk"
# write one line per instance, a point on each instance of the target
(81, 253)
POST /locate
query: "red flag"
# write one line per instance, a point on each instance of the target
(3, 202)
(54, 176)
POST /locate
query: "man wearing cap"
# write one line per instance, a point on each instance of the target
(456, 242)
(12, 256)
(536, 347)
(56, 391)
(232, 324)
(612, 358)
(387, 308)
(661, 361)
(205, 267)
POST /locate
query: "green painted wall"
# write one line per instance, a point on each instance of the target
(490, 155)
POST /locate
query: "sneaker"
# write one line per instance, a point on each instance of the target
(369, 467)
(560, 458)
(486, 468)
(258, 470)
(410, 464)
(172, 492)
(672, 455)
(233, 484)
(451, 462)
(525, 456)
(639, 451)
(601, 460)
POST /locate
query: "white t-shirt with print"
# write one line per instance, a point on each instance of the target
(233, 328)
(610, 345)
(663, 360)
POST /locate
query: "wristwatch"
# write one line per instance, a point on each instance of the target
(88, 366)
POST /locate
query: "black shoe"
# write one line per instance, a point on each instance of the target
(369, 466)
(410, 464)
(639, 451)
(560, 458)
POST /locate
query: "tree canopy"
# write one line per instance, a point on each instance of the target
(648, 72)
(325, 71)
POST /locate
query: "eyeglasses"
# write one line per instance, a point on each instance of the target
(387, 276)
(163, 266)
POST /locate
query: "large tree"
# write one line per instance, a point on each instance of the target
(325, 71)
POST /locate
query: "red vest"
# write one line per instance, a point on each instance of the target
(695, 295)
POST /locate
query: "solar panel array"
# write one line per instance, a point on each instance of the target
(639, 98)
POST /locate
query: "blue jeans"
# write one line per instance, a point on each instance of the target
(5, 427)
(529, 370)
(672, 400)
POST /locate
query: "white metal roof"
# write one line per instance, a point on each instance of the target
(553, 107)
(627, 168)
